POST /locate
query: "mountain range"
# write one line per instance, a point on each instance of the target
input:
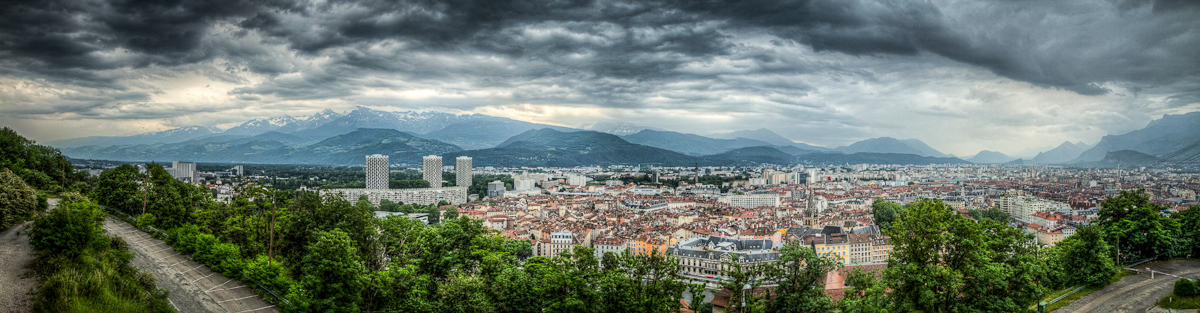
(330, 137)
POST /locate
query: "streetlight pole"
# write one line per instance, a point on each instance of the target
(744, 288)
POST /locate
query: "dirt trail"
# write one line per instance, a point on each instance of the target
(15, 280)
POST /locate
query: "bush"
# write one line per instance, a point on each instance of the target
(274, 276)
(69, 230)
(17, 200)
(1186, 288)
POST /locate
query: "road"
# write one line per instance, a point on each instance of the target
(194, 288)
(1135, 293)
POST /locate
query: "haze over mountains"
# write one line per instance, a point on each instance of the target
(330, 137)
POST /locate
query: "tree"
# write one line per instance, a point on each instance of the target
(74, 227)
(519, 248)
(885, 212)
(867, 294)
(519, 292)
(119, 188)
(17, 200)
(741, 275)
(993, 213)
(800, 273)
(434, 214)
(331, 274)
(942, 262)
(1139, 227)
(1189, 229)
(451, 213)
(1084, 259)
(388, 205)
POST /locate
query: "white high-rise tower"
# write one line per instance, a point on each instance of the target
(433, 171)
(462, 168)
(377, 171)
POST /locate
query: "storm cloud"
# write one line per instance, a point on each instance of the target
(822, 71)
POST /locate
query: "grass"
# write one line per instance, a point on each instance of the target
(1080, 294)
(1176, 302)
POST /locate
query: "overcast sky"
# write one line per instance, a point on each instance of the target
(1013, 76)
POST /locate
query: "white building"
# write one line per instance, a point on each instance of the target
(462, 169)
(377, 171)
(750, 201)
(433, 170)
(577, 180)
(183, 170)
(523, 184)
(423, 196)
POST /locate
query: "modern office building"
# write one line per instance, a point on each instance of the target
(577, 180)
(462, 169)
(433, 170)
(377, 171)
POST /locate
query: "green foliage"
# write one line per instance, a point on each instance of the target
(993, 213)
(1082, 259)
(866, 294)
(885, 212)
(331, 275)
(71, 230)
(742, 275)
(521, 249)
(144, 220)
(40, 167)
(81, 270)
(1189, 228)
(451, 213)
(798, 271)
(1139, 227)
(942, 262)
(17, 200)
(1186, 288)
(120, 188)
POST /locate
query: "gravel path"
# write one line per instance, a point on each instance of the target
(1135, 293)
(194, 288)
(15, 280)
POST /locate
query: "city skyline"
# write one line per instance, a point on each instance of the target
(961, 76)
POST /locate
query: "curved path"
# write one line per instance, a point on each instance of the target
(1135, 293)
(194, 288)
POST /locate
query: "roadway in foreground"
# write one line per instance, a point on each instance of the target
(1135, 293)
(194, 288)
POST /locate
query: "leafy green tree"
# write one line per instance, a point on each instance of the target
(464, 293)
(120, 188)
(451, 213)
(1083, 259)
(867, 294)
(742, 275)
(331, 274)
(993, 213)
(170, 200)
(434, 214)
(17, 200)
(942, 262)
(77, 225)
(389, 206)
(1138, 227)
(521, 249)
(885, 212)
(570, 282)
(800, 273)
(641, 283)
(518, 288)
(1189, 229)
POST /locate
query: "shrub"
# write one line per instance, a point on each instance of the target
(1186, 288)
(69, 230)
(226, 258)
(17, 200)
(274, 276)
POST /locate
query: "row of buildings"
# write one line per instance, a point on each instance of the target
(378, 176)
